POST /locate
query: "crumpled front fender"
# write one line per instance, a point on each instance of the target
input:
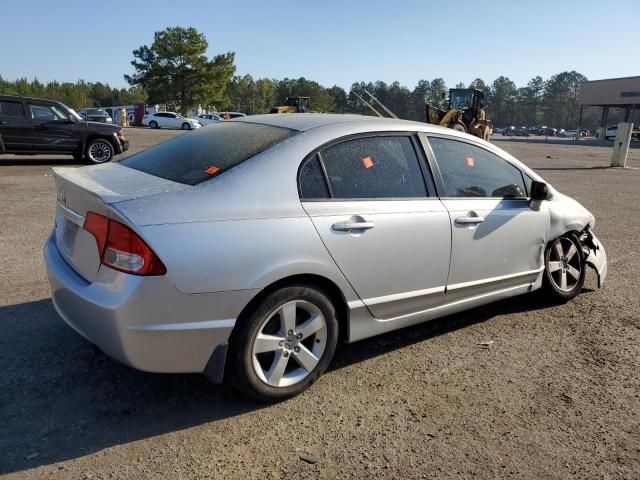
(597, 257)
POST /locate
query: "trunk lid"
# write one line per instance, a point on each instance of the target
(94, 189)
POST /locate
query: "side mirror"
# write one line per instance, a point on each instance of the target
(539, 191)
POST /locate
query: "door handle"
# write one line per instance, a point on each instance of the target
(469, 220)
(349, 226)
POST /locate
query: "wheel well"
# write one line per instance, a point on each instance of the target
(90, 138)
(330, 289)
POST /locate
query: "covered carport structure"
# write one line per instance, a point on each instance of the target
(611, 93)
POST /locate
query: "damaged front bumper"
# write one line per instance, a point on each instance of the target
(595, 255)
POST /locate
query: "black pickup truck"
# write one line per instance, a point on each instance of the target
(32, 126)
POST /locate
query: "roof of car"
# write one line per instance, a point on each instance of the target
(307, 121)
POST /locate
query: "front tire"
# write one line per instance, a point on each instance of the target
(99, 151)
(284, 345)
(564, 272)
(186, 126)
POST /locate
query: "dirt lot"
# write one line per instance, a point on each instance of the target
(556, 396)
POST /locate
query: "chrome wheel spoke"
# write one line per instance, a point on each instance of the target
(555, 266)
(276, 371)
(288, 317)
(311, 326)
(267, 343)
(575, 273)
(572, 251)
(558, 249)
(563, 280)
(305, 358)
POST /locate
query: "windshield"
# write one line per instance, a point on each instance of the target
(461, 99)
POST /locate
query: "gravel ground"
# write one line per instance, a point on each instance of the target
(556, 395)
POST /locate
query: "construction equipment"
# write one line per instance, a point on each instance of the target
(465, 113)
(294, 105)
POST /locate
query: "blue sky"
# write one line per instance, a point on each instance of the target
(332, 42)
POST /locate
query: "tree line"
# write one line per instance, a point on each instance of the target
(175, 71)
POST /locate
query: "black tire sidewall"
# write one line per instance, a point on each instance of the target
(549, 285)
(240, 363)
(99, 140)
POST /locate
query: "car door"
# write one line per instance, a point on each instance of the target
(53, 129)
(388, 234)
(15, 127)
(498, 240)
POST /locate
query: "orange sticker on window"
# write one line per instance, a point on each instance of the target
(367, 162)
(470, 162)
(211, 170)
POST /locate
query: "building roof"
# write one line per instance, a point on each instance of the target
(611, 92)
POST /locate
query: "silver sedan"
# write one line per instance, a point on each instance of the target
(251, 248)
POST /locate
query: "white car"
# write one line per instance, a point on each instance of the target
(209, 119)
(170, 120)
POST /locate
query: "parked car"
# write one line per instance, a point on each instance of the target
(231, 115)
(208, 119)
(169, 120)
(31, 126)
(499, 131)
(509, 131)
(568, 133)
(549, 132)
(612, 131)
(521, 132)
(251, 248)
(95, 115)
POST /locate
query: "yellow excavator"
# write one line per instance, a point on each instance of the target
(294, 105)
(466, 113)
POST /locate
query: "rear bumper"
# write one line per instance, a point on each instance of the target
(144, 322)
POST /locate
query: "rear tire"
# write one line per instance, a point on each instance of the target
(284, 345)
(458, 126)
(565, 268)
(186, 126)
(153, 124)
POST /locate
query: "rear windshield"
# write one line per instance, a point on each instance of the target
(194, 157)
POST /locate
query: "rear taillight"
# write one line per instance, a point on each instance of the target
(121, 248)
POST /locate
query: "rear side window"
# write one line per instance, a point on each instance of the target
(374, 167)
(312, 183)
(11, 109)
(470, 171)
(197, 156)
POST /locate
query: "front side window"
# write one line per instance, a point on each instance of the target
(470, 171)
(50, 113)
(374, 167)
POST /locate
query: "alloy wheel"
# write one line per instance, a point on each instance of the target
(289, 344)
(100, 152)
(565, 266)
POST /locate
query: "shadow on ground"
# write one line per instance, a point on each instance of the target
(60, 398)
(24, 161)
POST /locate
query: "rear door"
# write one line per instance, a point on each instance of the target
(15, 127)
(375, 211)
(498, 240)
(53, 129)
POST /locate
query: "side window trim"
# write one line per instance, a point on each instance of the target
(440, 187)
(423, 164)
